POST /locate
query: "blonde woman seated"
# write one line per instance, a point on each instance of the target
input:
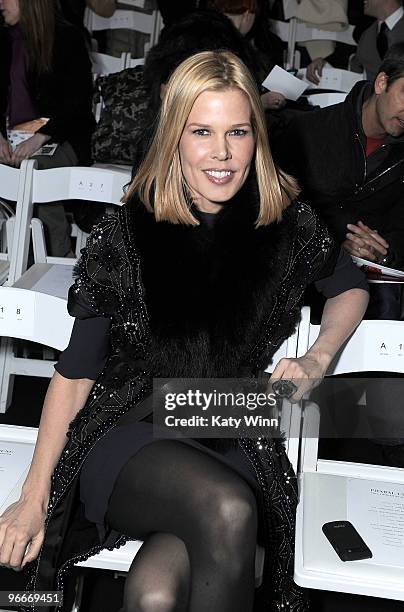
(201, 274)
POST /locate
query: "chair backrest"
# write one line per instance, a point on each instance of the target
(293, 31)
(9, 182)
(132, 62)
(107, 64)
(121, 20)
(375, 346)
(79, 183)
(56, 184)
(305, 33)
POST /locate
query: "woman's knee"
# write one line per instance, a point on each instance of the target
(158, 600)
(229, 521)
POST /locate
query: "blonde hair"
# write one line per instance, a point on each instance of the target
(159, 182)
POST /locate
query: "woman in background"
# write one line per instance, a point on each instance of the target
(45, 73)
(251, 20)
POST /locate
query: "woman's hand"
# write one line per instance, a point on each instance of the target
(22, 524)
(341, 315)
(304, 372)
(365, 242)
(272, 100)
(5, 151)
(314, 70)
(26, 149)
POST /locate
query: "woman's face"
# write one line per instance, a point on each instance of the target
(11, 11)
(216, 147)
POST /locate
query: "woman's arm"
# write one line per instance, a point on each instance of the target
(342, 314)
(23, 522)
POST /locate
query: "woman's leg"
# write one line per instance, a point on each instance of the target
(159, 577)
(169, 487)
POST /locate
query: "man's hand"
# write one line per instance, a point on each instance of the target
(27, 148)
(315, 70)
(273, 100)
(5, 151)
(366, 243)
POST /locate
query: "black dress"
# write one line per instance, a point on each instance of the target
(86, 356)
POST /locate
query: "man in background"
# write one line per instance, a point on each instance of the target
(349, 161)
(387, 30)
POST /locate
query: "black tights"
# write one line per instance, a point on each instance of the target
(198, 520)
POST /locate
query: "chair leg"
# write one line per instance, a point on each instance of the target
(6, 377)
(78, 593)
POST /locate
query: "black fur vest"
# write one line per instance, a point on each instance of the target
(213, 290)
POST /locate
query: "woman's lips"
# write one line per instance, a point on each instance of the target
(219, 177)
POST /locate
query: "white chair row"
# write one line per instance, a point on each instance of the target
(33, 301)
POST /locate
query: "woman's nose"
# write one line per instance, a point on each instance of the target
(221, 149)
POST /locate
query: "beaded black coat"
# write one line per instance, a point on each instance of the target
(218, 305)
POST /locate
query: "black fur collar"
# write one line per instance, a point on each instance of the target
(209, 291)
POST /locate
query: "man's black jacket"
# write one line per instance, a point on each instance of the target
(326, 151)
(64, 95)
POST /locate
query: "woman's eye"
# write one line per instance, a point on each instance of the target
(201, 132)
(238, 132)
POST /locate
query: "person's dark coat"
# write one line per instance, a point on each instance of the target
(64, 95)
(326, 151)
(223, 315)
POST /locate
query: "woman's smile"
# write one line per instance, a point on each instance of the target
(219, 177)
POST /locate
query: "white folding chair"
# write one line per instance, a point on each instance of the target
(137, 20)
(94, 184)
(33, 307)
(325, 485)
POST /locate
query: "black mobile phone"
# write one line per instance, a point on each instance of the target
(346, 541)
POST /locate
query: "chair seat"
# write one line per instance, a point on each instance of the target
(35, 306)
(323, 498)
